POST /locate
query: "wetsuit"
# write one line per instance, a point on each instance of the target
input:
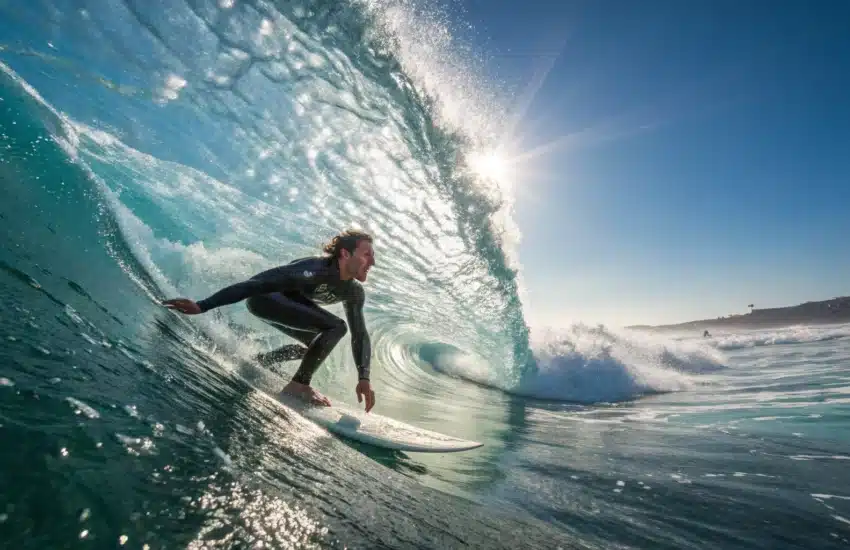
(287, 296)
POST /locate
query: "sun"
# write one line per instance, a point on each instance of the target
(491, 165)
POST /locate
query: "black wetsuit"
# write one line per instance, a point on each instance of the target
(287, 296)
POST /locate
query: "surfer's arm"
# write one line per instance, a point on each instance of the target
(275, 280)
(361, 346)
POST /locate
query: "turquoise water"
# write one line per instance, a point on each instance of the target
(149, 152)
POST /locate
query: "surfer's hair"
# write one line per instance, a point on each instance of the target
(347, 240)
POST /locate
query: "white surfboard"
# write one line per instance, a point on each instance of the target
(380, 431)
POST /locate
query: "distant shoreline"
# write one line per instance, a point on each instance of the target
(833, 311)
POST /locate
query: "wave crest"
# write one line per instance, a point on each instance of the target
(595, 364)
(585, 364)
(785, 336)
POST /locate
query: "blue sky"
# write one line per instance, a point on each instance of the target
(706, 163)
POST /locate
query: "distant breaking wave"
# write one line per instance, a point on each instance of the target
(776, 337)
(585, 364)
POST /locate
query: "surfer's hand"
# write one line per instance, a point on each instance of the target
(183, 305)
(364, 389)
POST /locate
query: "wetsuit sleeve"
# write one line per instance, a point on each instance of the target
(361, 346)
(275, 280)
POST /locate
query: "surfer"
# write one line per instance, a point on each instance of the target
(288, 297)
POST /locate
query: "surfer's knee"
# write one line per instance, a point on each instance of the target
(330, 337)
(337, 331)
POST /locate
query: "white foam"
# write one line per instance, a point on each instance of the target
(595, 364)
(783, 336)
(819, 457)
(422, 41)
(180, 270)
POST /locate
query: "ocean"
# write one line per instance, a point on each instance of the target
(151, 150)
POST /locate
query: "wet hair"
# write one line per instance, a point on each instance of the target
(347, 240)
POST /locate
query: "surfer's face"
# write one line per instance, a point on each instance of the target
(359, 263)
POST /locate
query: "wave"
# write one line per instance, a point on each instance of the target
(44, 152)
(778, 337)
(585, 364)
(447, 289)
(299, 120)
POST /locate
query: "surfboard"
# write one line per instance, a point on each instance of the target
(380, 431)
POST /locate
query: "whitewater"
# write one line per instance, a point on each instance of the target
(156, 150)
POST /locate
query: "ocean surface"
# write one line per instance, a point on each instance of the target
(159, 149)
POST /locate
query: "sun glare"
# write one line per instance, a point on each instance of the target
(490, 165)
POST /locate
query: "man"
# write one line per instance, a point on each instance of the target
(286, 297)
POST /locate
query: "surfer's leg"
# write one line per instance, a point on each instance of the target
(320, 330)
(266, 308)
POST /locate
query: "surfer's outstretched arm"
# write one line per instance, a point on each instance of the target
(281, 279)
(361, 346)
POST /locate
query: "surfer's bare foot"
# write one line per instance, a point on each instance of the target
(306, 393)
